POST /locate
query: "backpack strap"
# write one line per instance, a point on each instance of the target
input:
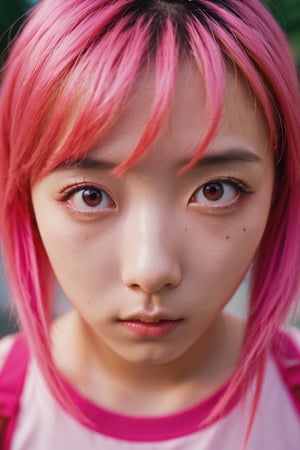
(287, 355)
(12, 379)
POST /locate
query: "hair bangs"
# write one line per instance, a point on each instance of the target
(210, 61)
(81, 105)
(97, 90)
(165, 63)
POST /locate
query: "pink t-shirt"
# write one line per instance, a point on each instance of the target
(43, 424)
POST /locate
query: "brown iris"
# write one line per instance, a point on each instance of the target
(92, 197)
(213, 191)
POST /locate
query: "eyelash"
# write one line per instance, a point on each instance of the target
(70, 191)
(240, 187)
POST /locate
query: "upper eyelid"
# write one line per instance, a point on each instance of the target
(67, 192)
(77, 185)
(242, 190)
(81, 185)
(231, 180)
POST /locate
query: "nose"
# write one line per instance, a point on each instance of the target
(150, 253)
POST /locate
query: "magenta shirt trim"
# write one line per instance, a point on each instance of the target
(149, 429)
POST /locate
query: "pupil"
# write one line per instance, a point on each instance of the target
(214, 191)
(91, 197)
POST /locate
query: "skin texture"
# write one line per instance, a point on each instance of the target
(157, 245)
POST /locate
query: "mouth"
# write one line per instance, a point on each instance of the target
(147, 327)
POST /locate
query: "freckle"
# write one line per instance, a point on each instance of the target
(185, 230)
(227, 237)
(244, 229)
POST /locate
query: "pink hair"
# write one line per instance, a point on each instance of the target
(69, 76)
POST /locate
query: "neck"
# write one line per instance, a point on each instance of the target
(102, 375)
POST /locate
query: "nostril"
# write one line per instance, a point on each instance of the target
(150, 287)
(135, 286)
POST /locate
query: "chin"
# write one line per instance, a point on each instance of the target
(149, 357)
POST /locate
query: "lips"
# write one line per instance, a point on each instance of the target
(147, 327)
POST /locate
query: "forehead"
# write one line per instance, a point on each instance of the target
(188, 118)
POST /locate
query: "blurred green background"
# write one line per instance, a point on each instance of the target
(287, 13)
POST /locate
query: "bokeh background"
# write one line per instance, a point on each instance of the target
(12, 14)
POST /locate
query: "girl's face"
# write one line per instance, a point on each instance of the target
(149, 259)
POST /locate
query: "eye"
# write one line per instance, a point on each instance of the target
(220, 193)
(88, 199)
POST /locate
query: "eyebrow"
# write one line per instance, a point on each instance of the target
(86, 163)
(231, 155)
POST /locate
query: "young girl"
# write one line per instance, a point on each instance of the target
(149, 158)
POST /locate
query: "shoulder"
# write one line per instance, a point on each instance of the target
(286, 352)
(287, 344)
(6, 344)
(14, 359)
(294, 334)
(286, 349)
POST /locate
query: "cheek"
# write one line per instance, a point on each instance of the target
(242, 233)
(226, 247)
(80, 257)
